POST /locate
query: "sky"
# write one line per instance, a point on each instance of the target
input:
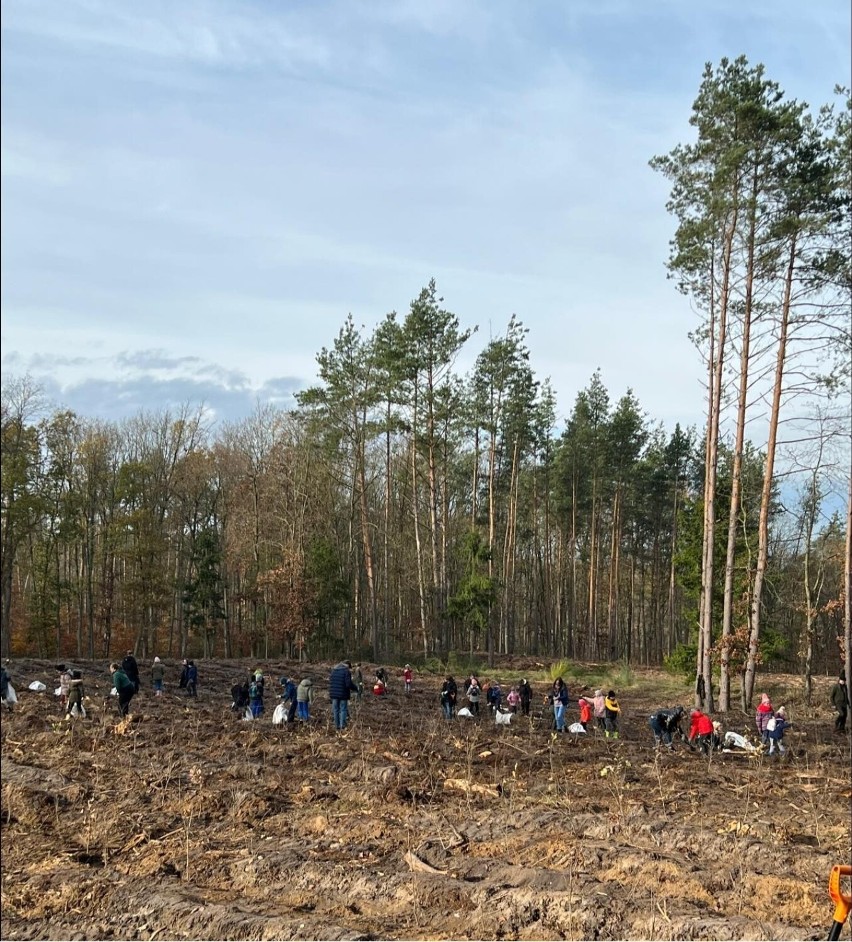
(196, 194)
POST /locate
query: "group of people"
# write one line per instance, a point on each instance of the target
(295, 698)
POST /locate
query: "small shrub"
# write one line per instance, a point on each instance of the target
(559, 669)
(682, 660)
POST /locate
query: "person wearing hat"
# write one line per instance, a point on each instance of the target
(340, 689)
(406, 677)
(840, 704)
(158, 674)
(612, 712)
(775, 731)
(762, 717)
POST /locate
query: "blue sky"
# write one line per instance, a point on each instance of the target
(196, 194)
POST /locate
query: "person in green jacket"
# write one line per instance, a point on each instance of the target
(124, 687)
(158, 673)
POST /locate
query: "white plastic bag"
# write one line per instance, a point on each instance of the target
(739, 742)
(57, 692)
(11, 696)
(78, 712)
(279, 717)
(248, 714)
(577, 728)
(503, 719)
(113, 692)
(465, 713)
(38, 686)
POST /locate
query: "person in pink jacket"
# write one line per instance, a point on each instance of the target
(599, 705)
(762, 717)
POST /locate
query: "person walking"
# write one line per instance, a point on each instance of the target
(340, 688)
(304, 698)
(124, 687)
(585, 712)
(131, 669)
(599, 709)
(407, 677)
(158, 674)
(840, 704)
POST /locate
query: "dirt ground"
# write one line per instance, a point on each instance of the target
(191, 823)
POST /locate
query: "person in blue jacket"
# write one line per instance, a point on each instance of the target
(340, 688)
(289, 697)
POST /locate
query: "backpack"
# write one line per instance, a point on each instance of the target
(770, 726)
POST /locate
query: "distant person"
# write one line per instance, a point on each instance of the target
(525, 690)
(559, 695)
(304, 698)
(124, 687)
(379, 688)
(599, 709)
(700, 732)
(358, 677)
(665, 723)
(340, 689)
(495, 696)
(184, 674)
(407, 677)
(255, 693)
(612, 715)
(131, 669)
(513, 699)
(192, 679)
(76, 695)
(6, 689)
(775, 731)
(240, 697)
(762, 716)
(585, 712)
(289, 697)
(64, 684)
(473, 694)
(158, 675)
(449, 692)
(840, 704)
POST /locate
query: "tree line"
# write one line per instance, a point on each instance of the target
(403, 506)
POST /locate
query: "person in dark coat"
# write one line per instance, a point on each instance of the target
(76, 694)
(240, 696)
(340, 688)
(184, 674)
(525, 690)
(131, 669)
(665, 723)
(124, 687)
(4, 688)
(449, 692)
(289, 697)
(191, 679)
(840, 704)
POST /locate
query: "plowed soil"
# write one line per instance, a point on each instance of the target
(188, 822)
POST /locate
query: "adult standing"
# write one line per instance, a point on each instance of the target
(449, 693)
(840, 703)
(304, 698)
(124, 687)
(525, 690)
(192, 679)
(131, 669)
(560, 703)
(158, 674)
(340, 688)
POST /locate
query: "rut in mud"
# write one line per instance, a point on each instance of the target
(189, 823)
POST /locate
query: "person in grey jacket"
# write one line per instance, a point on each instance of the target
(304, 698)
(340, 688)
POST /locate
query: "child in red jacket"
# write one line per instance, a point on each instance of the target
(701, 731)
(585, 712)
